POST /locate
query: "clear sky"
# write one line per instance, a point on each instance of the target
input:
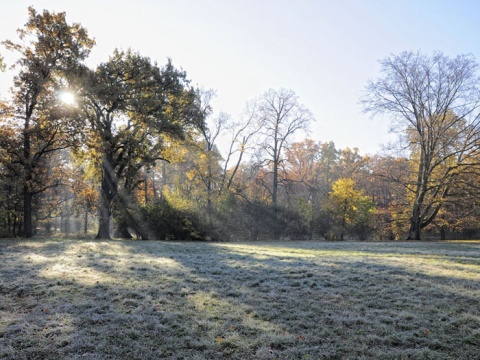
(324, 50)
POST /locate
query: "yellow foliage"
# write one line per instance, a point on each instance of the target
(348, 205)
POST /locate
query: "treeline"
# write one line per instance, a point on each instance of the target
(323, 193)
(134, 142)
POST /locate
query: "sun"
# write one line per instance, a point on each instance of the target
(67, 98)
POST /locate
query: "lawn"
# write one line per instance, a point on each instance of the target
(69, 299)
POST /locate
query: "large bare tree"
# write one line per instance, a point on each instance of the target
(434, 102)
(280, 116)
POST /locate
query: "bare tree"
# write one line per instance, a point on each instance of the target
(279, 115)
(207, 146)
(241, 135)
(236, 134)
(434, 102)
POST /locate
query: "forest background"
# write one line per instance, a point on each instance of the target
(136, 142)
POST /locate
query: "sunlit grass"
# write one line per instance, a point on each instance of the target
(298, 300)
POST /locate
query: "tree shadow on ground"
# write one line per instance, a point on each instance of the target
(137, 300)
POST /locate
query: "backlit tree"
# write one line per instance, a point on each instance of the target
(49, 49)
(130, 104)
(434, 102)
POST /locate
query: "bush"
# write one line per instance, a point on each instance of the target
(161, 221)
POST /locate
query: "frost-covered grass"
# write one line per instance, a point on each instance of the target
(290, 300)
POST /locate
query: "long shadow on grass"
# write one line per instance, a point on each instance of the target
(318, 301)
(140, 300)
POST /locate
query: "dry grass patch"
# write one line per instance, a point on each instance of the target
(298, 300)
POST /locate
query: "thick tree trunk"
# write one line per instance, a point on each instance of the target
(104, 213)
(122, 214)
(415, 224)
(414, 231)
(103, 226)
(421, 190)
(121, 229)
(108, 192)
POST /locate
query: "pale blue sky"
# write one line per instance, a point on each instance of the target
(324, 50)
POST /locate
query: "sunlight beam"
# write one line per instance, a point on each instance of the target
(67, 98)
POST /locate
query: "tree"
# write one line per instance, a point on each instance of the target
(241, 135)
(280, 116)
(435, 103)
(206, 165)
(350, 208)
(84, 181)
(49, 49)
(301, 172)
(131, 105)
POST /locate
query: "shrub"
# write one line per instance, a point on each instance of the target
(160, 220)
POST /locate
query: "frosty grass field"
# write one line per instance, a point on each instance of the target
(79, 299)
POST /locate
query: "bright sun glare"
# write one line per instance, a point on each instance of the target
(67, 98)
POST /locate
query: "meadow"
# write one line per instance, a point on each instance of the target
(82, 299)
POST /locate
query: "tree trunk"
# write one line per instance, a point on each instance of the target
(421, 190)
(62, 222)
(344, 219)
(85, 221)
(154, 188)
(27, 213)
(123, 214)
(145, 188)
(104, 217)
(68, 219)
(121, 228)
(275, 183)
(103, 226)
(278, 230)
(415, 224)
(27, 194)
(209, 199)
(443, 233)
(9, 211)
(108, 192)
(164, 179)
